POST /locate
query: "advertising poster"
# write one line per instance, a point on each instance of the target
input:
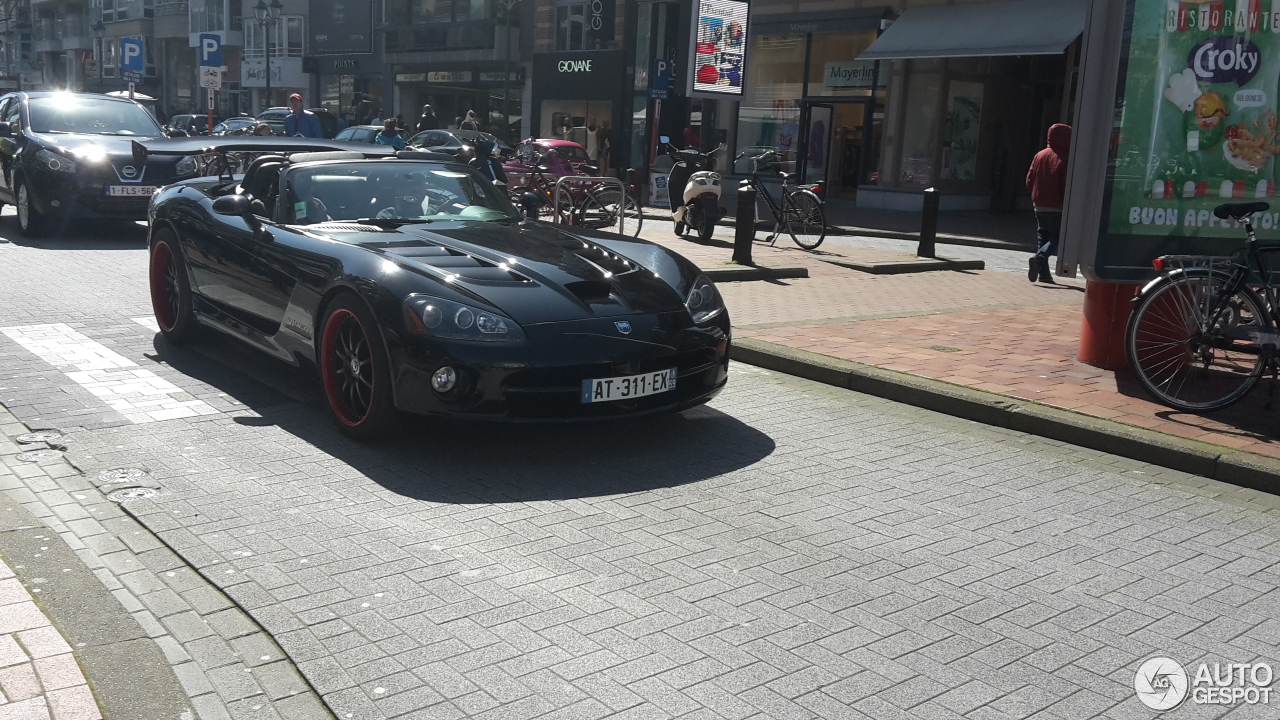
(1196, 123)
(719, 46)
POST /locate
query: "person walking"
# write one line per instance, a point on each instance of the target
(471, 122)
(1047, 182)
(301, 123)
(428, 120)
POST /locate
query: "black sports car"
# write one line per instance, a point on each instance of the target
(412, 283)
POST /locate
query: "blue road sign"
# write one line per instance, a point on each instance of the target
(132, 59)
(210, 50)
(660, 79)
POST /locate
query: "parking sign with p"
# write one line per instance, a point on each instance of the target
(132, 59)
(210, 50)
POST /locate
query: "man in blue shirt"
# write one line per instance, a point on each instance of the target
(301, 123)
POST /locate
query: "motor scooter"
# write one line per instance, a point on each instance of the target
(693, 187)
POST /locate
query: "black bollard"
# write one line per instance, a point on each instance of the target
(929, 223)
(745, 225)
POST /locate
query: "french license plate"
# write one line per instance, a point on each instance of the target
(625, 388)
(131, 190)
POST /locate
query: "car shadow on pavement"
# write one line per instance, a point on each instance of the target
(447, 461)
(81, 235)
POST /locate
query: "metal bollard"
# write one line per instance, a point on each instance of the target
(929, 223)
(745, 225)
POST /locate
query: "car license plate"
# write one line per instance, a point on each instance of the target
(625, 388)
(131, 190)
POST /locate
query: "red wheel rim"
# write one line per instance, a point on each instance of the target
(346, 362)
(164, 286)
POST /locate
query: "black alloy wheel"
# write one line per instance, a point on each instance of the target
(355, 370)
(170, 289)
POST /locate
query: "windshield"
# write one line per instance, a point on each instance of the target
(393, 191)
(77, 114)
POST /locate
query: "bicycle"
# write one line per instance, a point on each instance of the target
(1201, 336)
(595, 206)
(798, 209)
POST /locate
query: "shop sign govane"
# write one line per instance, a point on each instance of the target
(1198, 121)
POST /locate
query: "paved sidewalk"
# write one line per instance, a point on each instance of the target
(38, 672)
(988, 330)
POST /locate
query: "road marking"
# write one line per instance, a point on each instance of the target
(138, 394)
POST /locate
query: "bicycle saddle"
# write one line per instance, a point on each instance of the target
(1235, 211)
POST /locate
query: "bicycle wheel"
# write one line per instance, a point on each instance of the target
(804, 219)
(1194, 349)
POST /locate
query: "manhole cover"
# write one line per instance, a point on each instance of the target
(121, 475)
(35, 456)
(128, 494)
(38, 437)
(943, 348)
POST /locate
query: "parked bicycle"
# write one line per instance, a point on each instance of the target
(798, 210)
(590, 204)
(1204, 332)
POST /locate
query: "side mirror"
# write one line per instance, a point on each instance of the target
(241, 207)
(664, 139)
(6, 130)
(175, 133)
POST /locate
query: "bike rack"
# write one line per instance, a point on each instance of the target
(567, 179)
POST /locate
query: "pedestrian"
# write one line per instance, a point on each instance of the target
(471, 122)
(390, 135)
(301, 123)
(428, 120)
(691, 139)
(377, 117)
(1047, 182)
(262, 129)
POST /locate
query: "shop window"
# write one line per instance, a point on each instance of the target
(920, 124)
(964, 128)
(769, 117)
(833, 71)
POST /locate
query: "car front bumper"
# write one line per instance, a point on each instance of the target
(542, 378)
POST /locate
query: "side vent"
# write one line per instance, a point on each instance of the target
(591, 291)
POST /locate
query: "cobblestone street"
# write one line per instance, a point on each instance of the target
(792, 550)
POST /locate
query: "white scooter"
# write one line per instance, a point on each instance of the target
(694, 190)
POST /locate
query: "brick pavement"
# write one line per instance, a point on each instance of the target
(792, 550)
(988, 330)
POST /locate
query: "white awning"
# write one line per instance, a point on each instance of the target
(1013, 27)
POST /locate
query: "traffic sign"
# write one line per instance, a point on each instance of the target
(210, 50)
(132, 59)
(211, 77)
(660, 80)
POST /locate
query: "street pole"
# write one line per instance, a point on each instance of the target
(266, 30)
(101, 87)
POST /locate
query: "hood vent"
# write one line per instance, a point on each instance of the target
(462, 267)
(345, 227)
(613, 264)
(591, 291)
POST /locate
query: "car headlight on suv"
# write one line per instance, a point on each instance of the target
(440, 318)
(56, 162)
(185, 166)
(704, 301)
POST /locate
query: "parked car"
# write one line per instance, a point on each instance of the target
(235, 126)
(448, 141)
(526, 150)
(411, 285)
(69, 155)
(191, 124)
(364, 134)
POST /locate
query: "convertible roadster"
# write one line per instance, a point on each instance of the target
(412, 284)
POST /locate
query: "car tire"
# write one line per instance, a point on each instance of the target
(354, 369)
(171, 289)
(32, 222)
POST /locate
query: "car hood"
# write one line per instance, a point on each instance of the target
(536, 272)
(73, 144)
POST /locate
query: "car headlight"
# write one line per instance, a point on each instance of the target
(440, 318)
(185, 166)
(50, 160)
(704, 301)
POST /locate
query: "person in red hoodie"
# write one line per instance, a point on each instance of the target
(1047, 181)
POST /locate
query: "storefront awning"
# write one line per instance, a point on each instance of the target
(1013, 27)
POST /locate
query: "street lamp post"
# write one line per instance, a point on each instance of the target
(267, 16)
(99, 32)
(508, 6)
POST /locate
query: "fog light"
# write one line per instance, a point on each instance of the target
(444, 379)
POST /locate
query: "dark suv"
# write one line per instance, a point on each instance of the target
(69, 155)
